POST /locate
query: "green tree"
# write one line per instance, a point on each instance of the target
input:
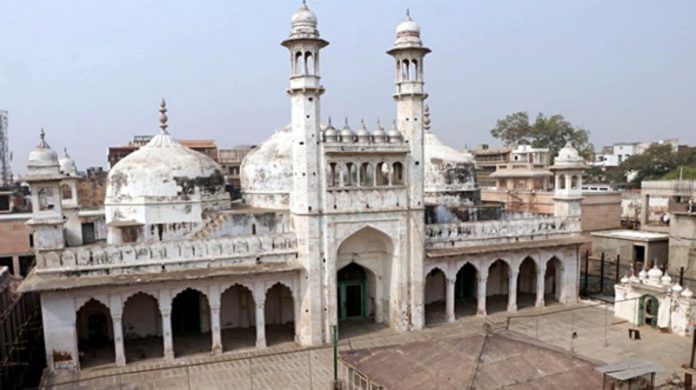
(551, 132)
(654, 163)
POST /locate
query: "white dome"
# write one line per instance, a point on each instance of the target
(568, 158)
(304, 16)
(449, 174)
(654, 272)
(687, 293)
(666, 280)
(164, 172)
(408, 33)
(266, 172)
(42, 159)
(408, 26)
(67, 164)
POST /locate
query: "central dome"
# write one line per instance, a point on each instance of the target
(164, 169)
(450, 175)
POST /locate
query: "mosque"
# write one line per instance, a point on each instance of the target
(336, 227)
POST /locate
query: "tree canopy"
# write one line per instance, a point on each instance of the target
(659, 161)
(551, 132)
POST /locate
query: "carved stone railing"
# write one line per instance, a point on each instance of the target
(171, 255)
(501, 231)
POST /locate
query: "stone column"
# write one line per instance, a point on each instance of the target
(296, 315)
(481, 294)
(449, 300)
(119, 349)
(540, 288)
(167, 338)
(512, 292)
(260, 324)
(215, 329)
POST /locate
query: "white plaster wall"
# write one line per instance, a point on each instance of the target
(60, 338)
(435, 287)
(141, 317)
(237, 308)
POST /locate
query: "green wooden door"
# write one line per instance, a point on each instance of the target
(352, 299)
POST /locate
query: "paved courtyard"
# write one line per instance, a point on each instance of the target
(287, 366)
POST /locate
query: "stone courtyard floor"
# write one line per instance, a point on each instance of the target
(288, 366)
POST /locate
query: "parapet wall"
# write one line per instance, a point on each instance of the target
(131, 258)
(494, 232)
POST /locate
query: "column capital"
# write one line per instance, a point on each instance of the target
(260, 305)
(449, 280)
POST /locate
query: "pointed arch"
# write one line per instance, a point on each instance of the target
(142, 327)
(94, 334)
(237, 316)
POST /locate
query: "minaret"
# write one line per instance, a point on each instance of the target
(568, 168)
(305, 91)
(408, 53)
(44, 179)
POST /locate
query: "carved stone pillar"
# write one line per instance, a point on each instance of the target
(512, 292)
(119, 349)
(167, 338)
(481, 294)
(449, 300)
(260, 325)
(540, 287)
(215, 329)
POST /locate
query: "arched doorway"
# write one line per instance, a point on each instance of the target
(237, 318)
(553, 281)
(497, 287)
(142, 328)
(435, 296)
(94, 334)
(526, 283)
(465, 289)
(279, 315)
(648, 306)
(191, 323)
(363, 281)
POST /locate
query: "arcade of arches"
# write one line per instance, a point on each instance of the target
(203, 319)
(488, 286)
(168, 323)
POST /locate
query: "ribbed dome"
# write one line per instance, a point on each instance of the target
(164, 170)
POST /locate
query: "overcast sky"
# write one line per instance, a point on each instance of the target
(92, 71)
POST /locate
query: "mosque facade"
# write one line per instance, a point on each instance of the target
(336, 226)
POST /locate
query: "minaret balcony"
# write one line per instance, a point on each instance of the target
(305, 82)
(409, 88)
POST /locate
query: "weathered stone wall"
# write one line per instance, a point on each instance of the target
(682, 244)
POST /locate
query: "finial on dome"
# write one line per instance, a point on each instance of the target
(42, 139)
(329, 121)
(345, 125)
(163, 116)
(379, 124)
(408, 14)
(394, 124)
(65, 152)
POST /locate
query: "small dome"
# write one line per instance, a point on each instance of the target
(362, 133)
(654, 272)
(625, 279)
(687, 293)
(394, 134)
(67, 164)
(330, 133)
(643, 274)
(378, 134)
(347, 135)
(666, 280)
(304, 16)
(408, 33)
(569, 153)
(677, 288)
(304, 24)
(634, 279)
(42, 159)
